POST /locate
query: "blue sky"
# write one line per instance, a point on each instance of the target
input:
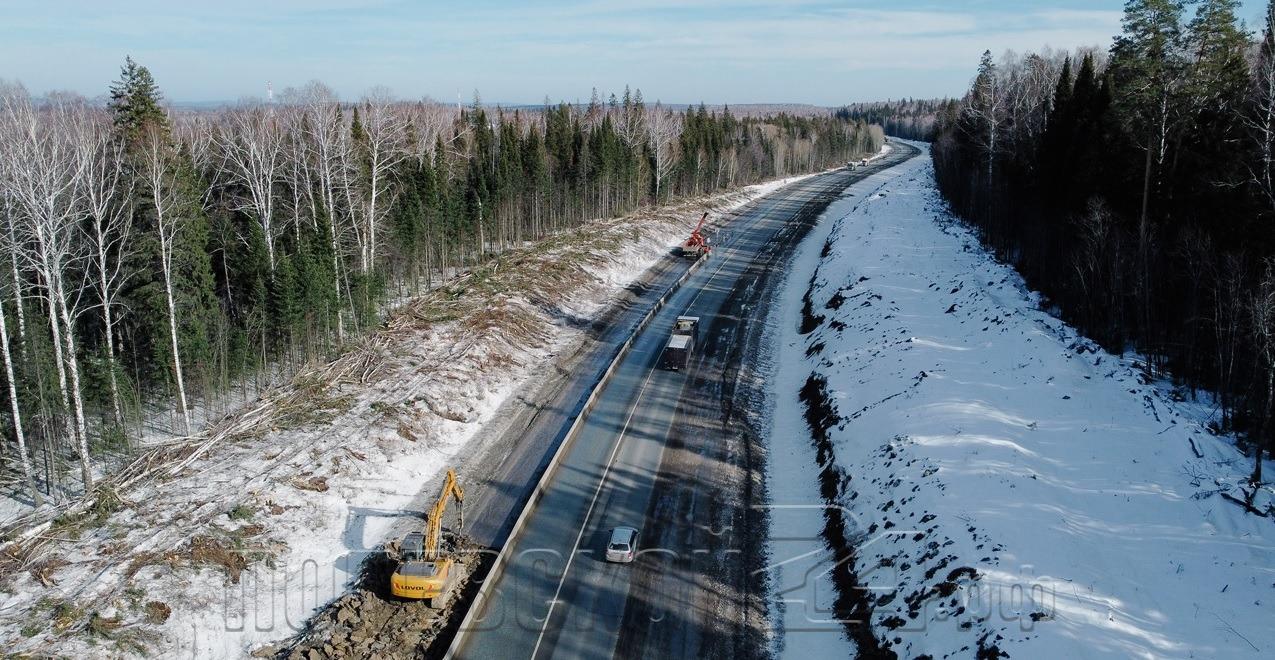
(518, 51)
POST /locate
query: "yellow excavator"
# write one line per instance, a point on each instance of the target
(423, 574)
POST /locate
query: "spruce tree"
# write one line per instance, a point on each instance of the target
(286, 298)
(1055, 149)
(135, 101)
(1063, 89)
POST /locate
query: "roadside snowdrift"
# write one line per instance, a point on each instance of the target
(317, 473)
(1007, 485)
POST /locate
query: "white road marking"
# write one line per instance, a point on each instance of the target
(620, 441)
(611, 460)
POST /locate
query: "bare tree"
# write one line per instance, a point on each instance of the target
(327, 149)
(109, 199)
(15, 408)
(1260, 115)
(195, 133)
(1228, 276)
(159, 174)
(252, 143)
(663, 129)
(1029, 87)
(1263, 328)
(985, 109)
(44, 171)
(384, 130)
(429, 122)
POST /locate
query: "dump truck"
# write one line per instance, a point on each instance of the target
(697, 245)
(423, 572)
(681, 343)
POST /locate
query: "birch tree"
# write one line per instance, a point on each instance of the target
(381, 150)
(45, 163)
(1263, 326)
(15, 407)
(663, 129)
(110, 237)
(325, 129)
(1260, 115)
(985, 111)
(252, 143)
(159, 174)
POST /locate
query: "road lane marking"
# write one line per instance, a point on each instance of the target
(592, 503)
(764, 208)
(733, 250)
(611, 459)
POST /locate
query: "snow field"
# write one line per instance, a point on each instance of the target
(306, 498)
(1011, 486)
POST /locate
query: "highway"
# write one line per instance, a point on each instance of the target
(646, 451)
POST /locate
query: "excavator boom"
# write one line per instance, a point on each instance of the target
(434, 531)
(422, 574)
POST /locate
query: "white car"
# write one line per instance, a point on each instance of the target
(622, 547)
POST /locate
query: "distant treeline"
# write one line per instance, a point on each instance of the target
(1136, 188)
(155, 260)
(910, 119)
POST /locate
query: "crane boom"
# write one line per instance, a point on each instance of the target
(697, 244)
(700, 226)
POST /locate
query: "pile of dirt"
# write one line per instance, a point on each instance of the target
(369, 622)
(364, 625)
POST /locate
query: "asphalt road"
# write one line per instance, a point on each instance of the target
(557, 597)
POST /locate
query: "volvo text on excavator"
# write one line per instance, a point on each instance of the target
(423, 572)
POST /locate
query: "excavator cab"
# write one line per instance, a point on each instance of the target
(422, 574)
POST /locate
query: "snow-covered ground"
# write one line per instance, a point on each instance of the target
(1008, 485)
(324, 469)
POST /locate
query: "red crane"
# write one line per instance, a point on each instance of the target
(697, 245)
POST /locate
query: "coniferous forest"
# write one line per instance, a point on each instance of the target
(1135, 188)
(157, 260)
(910, 119)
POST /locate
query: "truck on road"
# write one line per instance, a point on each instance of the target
(681, 343)
(697, 245)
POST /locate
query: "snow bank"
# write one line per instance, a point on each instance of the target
(1009, 486)
(246, 543)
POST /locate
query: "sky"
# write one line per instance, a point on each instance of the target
(521, 51)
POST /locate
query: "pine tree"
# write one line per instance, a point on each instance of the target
(1146, 62)
(1216, 89)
